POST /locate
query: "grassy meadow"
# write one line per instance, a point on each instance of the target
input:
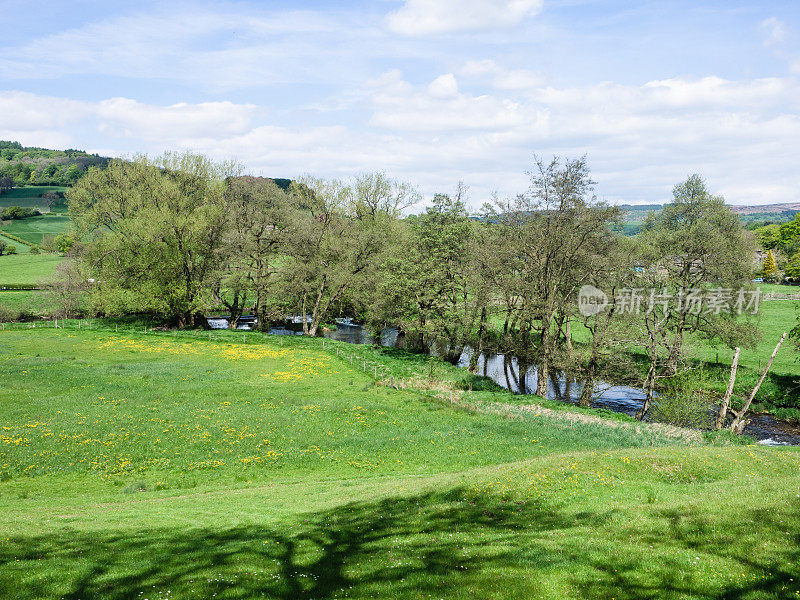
(33, 229)
(27, 268)
(16, 243)
(31, 197)
(174, 465)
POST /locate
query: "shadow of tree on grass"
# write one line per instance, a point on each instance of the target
(442, 544)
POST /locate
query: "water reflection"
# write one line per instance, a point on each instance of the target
(510, 373)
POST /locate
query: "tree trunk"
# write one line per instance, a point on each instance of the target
(671, 367)
(473, 361)
(544, 366)
(568, 335)
(723, 410)
(541, 378)
(738, 423)
(588, 385)
(303, 316)
(649, 385)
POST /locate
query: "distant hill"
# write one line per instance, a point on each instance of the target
(788, 207)
(634, 214)
(21, 165)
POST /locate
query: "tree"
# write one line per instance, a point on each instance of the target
(154, 229)
(433, 282)
(64, 242)
(258, 214)
(770, 270)
(50, 198)
(68, 287)
(337, 234)
(546, 242)
(793, 266)
(769, 235)
(694, 244)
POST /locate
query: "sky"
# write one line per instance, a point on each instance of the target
(430, 91)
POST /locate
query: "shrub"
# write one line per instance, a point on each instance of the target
(686, 402)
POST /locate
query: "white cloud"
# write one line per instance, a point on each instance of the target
(743, 135)
(425, 17)
(502, 78)
(773, 30)
(440, 107)
(444, 86)
(215, 49)
(130, 118)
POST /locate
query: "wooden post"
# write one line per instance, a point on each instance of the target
(337, 351)
(738, 423)
(723, 410)
(209, 336)
(365, 366)
(116, 327)
(323, 344)
(244, 338)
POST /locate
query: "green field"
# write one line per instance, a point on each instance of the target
(27, 268)
(33, 229)
(138, 465)
(21, 248)
(31, 196)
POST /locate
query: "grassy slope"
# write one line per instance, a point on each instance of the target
(33, 229)
(281, 471)
(27, 268)
(31, 196)
(21, 248)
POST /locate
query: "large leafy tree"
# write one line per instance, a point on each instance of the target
(336, 240)
(694, 244)
(547, 242)
(258, 215)
(433, 281)
(153, 230)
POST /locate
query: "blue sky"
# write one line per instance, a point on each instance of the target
(431, 92)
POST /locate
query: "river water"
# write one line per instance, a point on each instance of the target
(507, 372)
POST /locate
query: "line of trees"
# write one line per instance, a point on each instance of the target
(180, 234)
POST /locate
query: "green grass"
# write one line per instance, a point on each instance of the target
(31, 196)
(140, 465)
(27, 268)
(33, 229)
(21, 248)
(17, 303)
